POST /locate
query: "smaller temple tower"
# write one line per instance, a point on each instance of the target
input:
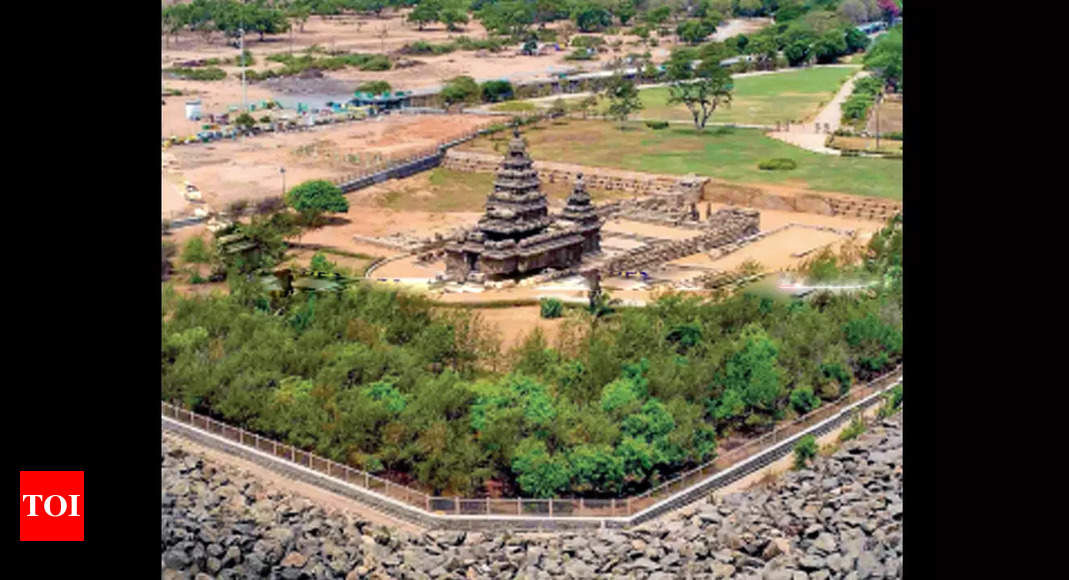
(580, 211)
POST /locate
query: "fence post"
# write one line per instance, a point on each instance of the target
(487, 505)
(367, 481)
(581, 507)
(427, 501)
(551, 507)
(519, 506)
(629, 506)
(614, 506)
(456, 504)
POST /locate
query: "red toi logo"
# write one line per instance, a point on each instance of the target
(51, 506)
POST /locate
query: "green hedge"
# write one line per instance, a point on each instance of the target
(657, 124)
(199, 74)
(778, 164)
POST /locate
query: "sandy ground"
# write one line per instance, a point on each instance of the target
(807, 135)
(325, 499)
(651, 230)
(225, 171)
(516, 324)
(773, 252)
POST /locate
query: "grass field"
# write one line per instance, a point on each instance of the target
(725, 153)
(446, 190)
(866, 144)
(791, 95)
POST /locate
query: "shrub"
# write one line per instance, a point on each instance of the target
(855, 428)
(270, 205)
(581, 54)
(376, 62)
(496, 91)
(237, 207)
(804, 450)
(657, 124)
(199, 74)
(197, 279)
(374, 87)
(551, 307)
(893, 135)
(265, 119)
(320, 263)
(587, 41)
(778, 164)
(196, 252)
(803, 400)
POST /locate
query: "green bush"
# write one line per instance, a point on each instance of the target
(804, 450)
(778, 164)
(551, 307)
(855, 428)
(199, 74)
(196, 252)
(892, 135)
(803, 400)
(657, 124)
(587, 41)
(374, 87)
(581, 54)
(197, 279)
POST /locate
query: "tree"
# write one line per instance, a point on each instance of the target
(313, 198)
(693, 31)
(623, 98)
(462, 89)
(764, 50)
(587, 104)
(753, 370)
(830, 47)
(496, 91)
(797, 53)
(803, 400)
(425, 12)
(558, 109)
(854, 11)
(889, 9)
(539, 473)
(856, 41)
(885, 57)
(245, 121)
(712, 88)
(452, 13)
(591, 17)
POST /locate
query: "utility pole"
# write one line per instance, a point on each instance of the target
(879, 99)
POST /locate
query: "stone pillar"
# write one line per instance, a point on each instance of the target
(777, 125)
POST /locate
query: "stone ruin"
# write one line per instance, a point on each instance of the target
(726, 226)
(517, 236)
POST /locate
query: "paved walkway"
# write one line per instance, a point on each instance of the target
(811, 136)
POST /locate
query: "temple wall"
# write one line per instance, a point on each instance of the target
(595, 177)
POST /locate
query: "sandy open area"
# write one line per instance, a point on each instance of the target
(225, 171)
(773, 252)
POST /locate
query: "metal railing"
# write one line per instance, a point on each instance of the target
(446, 507)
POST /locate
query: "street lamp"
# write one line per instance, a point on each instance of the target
(282, 170)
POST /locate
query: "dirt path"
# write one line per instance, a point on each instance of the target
(322, 498)
(811, 136)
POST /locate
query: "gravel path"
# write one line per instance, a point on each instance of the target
(808, 135)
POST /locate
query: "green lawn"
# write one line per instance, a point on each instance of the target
(790, 95)
(447, 190)
(721, 152)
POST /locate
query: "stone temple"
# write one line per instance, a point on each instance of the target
(517, 236)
